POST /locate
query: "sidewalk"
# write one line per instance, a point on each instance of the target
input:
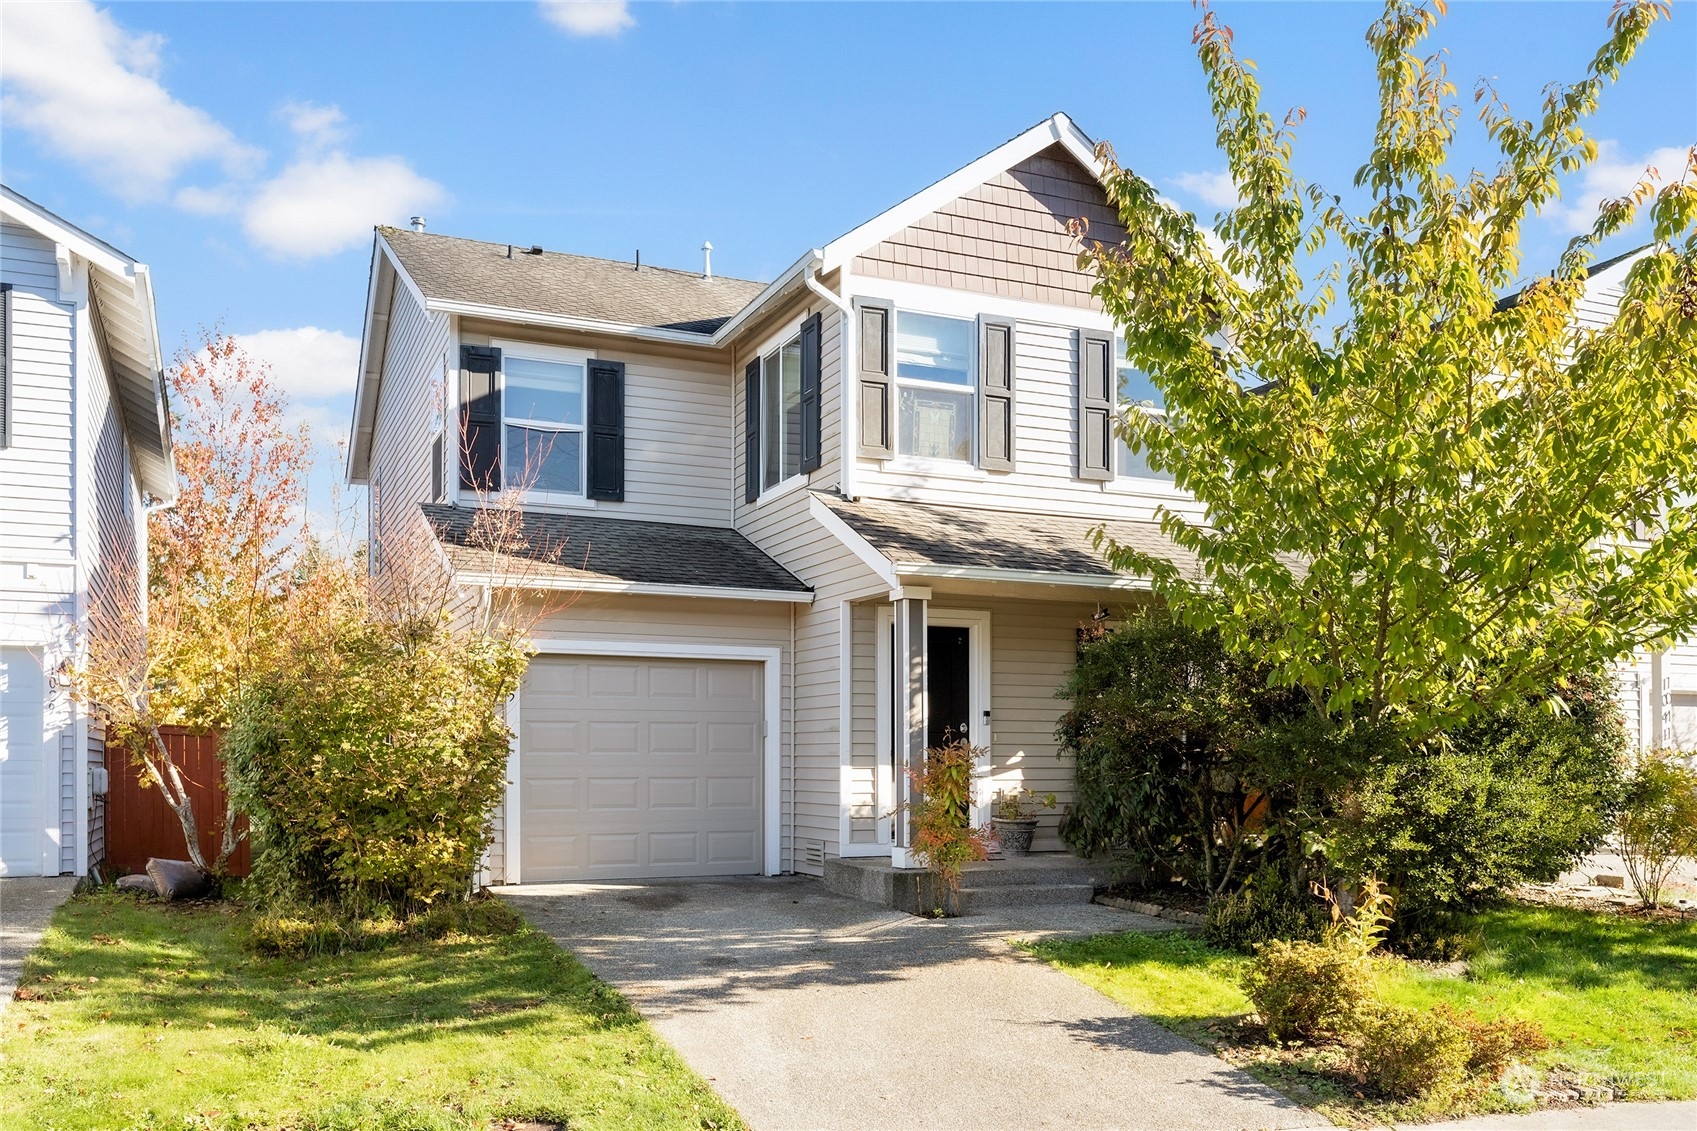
(1608, 1117)
(26, 905)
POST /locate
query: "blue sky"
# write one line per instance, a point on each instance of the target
(245, 150)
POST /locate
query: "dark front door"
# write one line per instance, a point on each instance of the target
(948, 684)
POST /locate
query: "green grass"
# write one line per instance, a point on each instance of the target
(147, 1016)
(1617, 996)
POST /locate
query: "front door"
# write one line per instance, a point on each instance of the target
(948, 684)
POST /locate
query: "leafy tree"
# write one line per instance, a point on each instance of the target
(1434, 502)
(1658, 823)
(217, 572)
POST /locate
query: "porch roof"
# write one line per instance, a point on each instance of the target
(593, 553)
(930, 539)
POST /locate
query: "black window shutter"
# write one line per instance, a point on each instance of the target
(877, 407)
(5, 365)
(751, 432)
(1095, 406)
(480, 418)
(995, 396)
(436, 484)
(811, 447)
(607, 431)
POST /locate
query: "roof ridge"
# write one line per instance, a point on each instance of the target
(388, 229)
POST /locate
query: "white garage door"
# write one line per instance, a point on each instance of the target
(639, 768)
(25, 814)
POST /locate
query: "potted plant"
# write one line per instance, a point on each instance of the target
(1013, 816)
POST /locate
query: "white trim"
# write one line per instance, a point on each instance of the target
(808, 264)
(845, 730)
(97, 251)
(921, 298)
(1059, 128)
(564, 322)
(860, 547)
(510, 861)
(551, 355)
(773, 343)
(930, 571)
(932, 468)
(883, 778)
(772, 661)
(637, 588)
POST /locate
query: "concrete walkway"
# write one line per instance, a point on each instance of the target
(808, 1010)
(26, 904)
(1608, 1117)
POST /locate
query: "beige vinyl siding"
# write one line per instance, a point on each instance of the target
(785, 529)
(409, 410)
(677, 423)
(1008, 237)
(863, 801)
(593, 617)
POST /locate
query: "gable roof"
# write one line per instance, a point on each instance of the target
(504, 277)
(121, 295)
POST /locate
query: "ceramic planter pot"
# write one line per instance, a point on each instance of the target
(1014, 834)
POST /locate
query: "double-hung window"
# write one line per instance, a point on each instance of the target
(780, 413)
(936, 386)
(1138, 394)
(543, 410)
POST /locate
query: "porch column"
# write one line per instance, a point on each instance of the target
(908, 710)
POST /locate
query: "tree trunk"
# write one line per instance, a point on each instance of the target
(169, 779)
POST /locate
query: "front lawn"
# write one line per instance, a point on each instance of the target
(1617, 996)
(142, 1015)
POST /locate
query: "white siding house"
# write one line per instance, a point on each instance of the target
(85, 448)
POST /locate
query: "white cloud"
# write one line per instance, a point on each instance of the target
(219, 201)
(1211, 188)
(588, 17)
(325, 203)
(1609, 177)
(90, 92)
(315, 124)
(306, 362)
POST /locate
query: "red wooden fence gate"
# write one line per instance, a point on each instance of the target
(138, 822)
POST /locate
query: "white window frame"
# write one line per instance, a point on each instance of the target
(1125, 482)
(932, 465)
(534, 351)
(773, 344)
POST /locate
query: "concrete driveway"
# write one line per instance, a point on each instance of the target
(809, 1010)
(26, 904)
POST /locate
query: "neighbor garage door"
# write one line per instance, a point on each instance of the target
(639, 768)
(25, 776)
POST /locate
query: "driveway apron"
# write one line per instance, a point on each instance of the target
(808, 1010)
(26, 905)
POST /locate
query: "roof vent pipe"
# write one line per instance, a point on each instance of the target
(707, 260)
(418, 223)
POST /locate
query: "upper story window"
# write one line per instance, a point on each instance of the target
(543, 416)
(780, 410)
(935, 385)
(1138, 393)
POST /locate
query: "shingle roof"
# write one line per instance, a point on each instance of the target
(577, 286)
(590, 547)
(930, 534)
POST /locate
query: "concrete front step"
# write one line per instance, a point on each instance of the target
(1034, 895)
(1047, 879)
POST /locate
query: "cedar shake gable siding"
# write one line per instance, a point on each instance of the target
(576, 286)
(1007, 237)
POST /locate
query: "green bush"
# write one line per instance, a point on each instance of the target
(1409, 1053)
(370, 766)
(1494, 1045)
(1307, 991)
(1658, 823)
(1262, 910)
(1512, 797)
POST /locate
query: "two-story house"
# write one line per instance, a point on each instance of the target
(811, 525)
(85, 449)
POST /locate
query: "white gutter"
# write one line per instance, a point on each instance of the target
(565, 322)
(796, 272)
(1028, 576)
(847, 353)
(636, 588)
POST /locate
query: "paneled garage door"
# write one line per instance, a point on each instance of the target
(639, 768)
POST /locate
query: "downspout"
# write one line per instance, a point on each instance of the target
(847, 354)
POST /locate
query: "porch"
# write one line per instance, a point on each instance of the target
(1044, 879)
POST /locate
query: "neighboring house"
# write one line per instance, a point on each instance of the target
(810, 525)
(85, 449)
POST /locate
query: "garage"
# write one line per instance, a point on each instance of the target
(26, 812)
(640, 767)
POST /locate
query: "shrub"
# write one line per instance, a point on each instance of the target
(1304, 990)
(942, 813)
(1658, 823)
(371, 764)
(1494, 1045)
(1512, 797)
(1407, 1053)
(1263, 909)
(301, 933)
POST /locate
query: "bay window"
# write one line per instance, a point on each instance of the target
(936, 386)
